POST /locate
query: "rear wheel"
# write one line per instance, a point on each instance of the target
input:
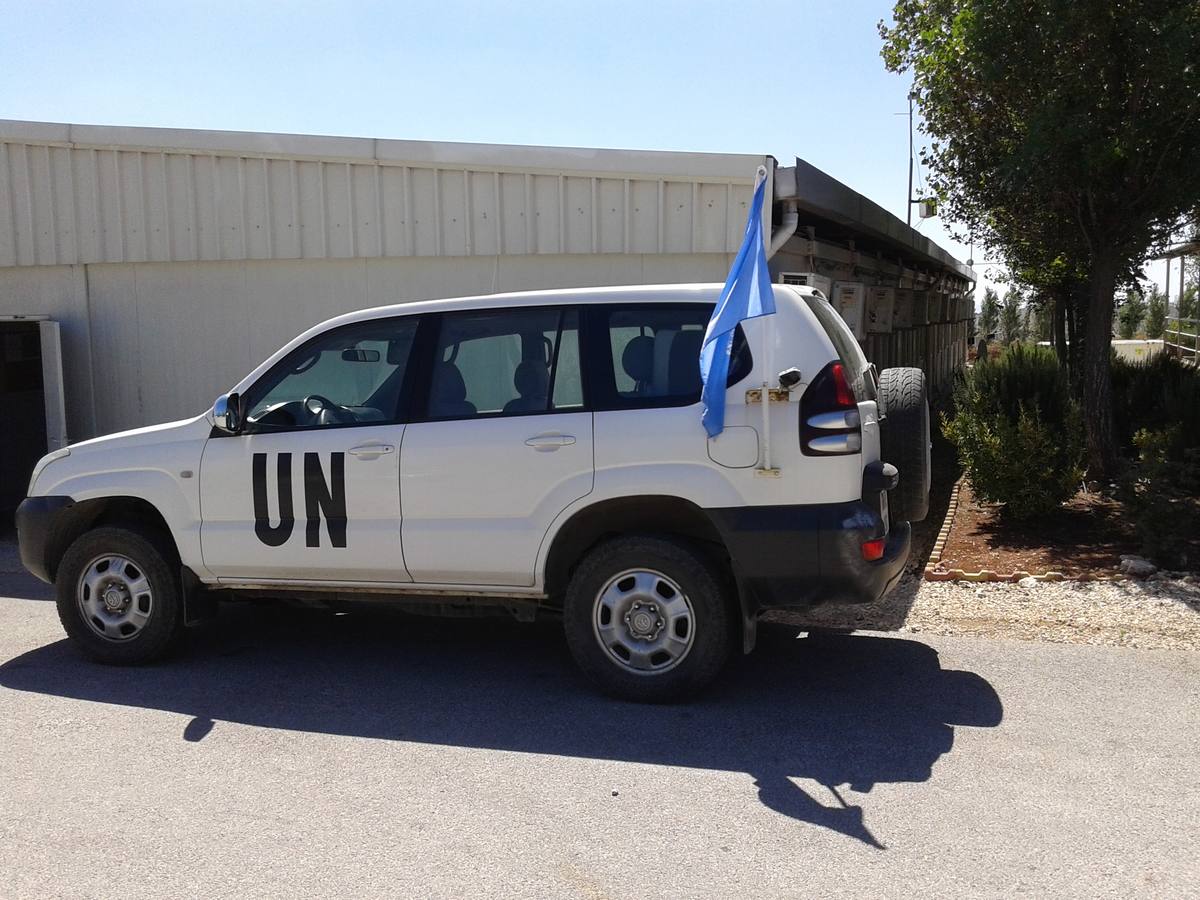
(904, 440)
(118, 597)
(647, 618)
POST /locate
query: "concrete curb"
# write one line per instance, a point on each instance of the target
(939, 544)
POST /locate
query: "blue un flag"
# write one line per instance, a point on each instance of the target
(747, 294)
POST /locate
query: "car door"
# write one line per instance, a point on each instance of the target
(309, 490)
(502, 444)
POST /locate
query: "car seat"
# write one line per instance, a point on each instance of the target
(683, 371)
(532, 381)
(448, 394)
(638, 361)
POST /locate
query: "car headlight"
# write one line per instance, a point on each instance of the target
(43, 462)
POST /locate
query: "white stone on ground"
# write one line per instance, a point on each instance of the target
(1149, 614)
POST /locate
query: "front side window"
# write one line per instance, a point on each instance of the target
(352, 375)
(652, 355)
(506, 362)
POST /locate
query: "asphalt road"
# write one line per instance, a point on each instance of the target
(296, 753)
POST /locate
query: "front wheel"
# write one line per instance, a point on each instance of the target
(118, 597)
(647, 618)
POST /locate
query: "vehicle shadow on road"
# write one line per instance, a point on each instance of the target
(852, 710)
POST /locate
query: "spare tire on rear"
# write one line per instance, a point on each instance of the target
(904, 440)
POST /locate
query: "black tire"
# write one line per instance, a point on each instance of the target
(904, 440)
(704, 591)
(164, 618)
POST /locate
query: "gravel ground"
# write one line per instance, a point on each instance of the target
(1153, 614)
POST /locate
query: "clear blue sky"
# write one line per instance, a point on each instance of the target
(790, 79)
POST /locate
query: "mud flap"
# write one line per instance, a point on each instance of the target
(199, 603)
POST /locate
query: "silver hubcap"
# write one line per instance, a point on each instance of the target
(644, 621)
(115, 597)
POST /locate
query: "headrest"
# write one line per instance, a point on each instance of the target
(638, 358)
(532, 379)
(683, 366)
(448, 384)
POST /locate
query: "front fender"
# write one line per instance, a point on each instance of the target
(175, 497)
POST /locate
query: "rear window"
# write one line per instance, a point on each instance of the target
(847, 348)
(650, 355)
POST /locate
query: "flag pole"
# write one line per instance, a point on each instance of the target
(766, 352)
(766, 400)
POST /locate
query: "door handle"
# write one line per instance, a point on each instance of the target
(547, 442)
(370, 451)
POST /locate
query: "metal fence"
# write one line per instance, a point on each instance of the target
(940, 348)
(1181, 338)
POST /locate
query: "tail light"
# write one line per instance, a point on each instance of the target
(829, 422)
(873, 550)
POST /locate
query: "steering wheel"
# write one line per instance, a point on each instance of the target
(315, 404)
(325, 412)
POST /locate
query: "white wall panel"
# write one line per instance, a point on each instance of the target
(644, 217)
(284, 299)
(484, 223)
(610, 216)
(63, 203)
(517, 229)
(711, 231)
(116, 367)
(422, 196)
(577, 215)
(194, 325)
(8, 209)
(450, 212)
(547, 214)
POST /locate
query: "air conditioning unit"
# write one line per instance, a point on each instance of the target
(848, 299)
(921, 308)
(881, 304)
(927, 209)
(902, 315)
(809, 279)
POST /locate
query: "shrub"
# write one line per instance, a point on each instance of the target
(1157, 395)
(1018, 432)
(1160, 491)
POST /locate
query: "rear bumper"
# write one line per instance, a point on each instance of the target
(36, 521)
(801, 556)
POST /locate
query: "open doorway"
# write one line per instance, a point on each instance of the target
(31, 405)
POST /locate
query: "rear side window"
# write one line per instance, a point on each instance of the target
(649, 355)
(847, 347)
(506, 362)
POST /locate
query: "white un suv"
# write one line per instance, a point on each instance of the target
(536, 453)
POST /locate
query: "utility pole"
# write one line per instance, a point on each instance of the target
(908, 201)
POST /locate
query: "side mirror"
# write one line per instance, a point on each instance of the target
(227, 413)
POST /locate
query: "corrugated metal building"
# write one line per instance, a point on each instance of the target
(175, 261)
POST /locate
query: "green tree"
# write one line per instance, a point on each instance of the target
(1056, 136)
(1131, 314)
(1186, 307)
(1038, 318)
(989, 312)
(1156, 313)
(1011, 325)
